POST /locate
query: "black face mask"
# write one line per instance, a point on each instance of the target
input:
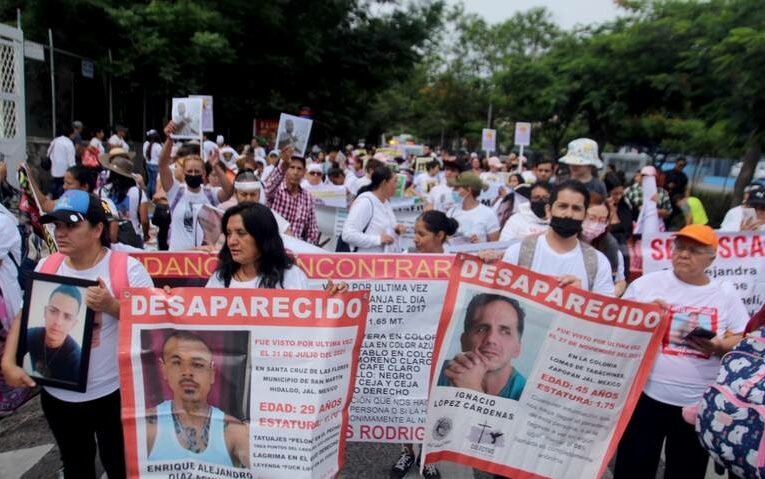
(538, 208)
(566, 227)
(193, 181)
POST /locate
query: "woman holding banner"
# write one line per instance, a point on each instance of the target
(371, 224)
(431, 231)
(253, 255)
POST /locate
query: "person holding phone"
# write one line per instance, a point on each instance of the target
(707, 320)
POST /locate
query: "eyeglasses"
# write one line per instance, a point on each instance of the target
(690, 248)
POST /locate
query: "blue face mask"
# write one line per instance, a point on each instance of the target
(456, 198)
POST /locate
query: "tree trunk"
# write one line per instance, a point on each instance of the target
(751, 157)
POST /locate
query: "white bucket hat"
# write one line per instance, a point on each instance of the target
(582, 151)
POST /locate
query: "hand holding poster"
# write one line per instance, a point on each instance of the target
(532, 380)
(187, 116)
(238, 383)
(294, 133)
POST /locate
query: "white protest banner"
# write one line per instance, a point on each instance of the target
(740, 261)
(293, 132)
(207, 112)
(522, 133)
(329, 195)
(478, 247)
(648, 220)
(187, 116)
(560, 373)
(488, 139)
(272, 370)
(407, 291)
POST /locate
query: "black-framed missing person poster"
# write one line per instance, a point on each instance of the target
(56, 331)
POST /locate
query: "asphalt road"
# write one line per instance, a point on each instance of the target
(28, 451)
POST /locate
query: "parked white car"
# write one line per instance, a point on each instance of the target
(759, 170)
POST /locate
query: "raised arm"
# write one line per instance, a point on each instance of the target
(165, 173)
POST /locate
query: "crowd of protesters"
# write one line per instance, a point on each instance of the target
(564, 217)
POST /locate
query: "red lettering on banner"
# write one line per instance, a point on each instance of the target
(348, 267)
(741, 246)
(660, 249)
(398, 433)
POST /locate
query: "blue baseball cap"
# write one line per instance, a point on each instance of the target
(75, 206)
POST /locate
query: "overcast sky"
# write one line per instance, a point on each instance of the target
(566, 13)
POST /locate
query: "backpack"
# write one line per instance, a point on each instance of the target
(118, 270)
(90, 157)
(126, 232)
(529, 246)
(731, 416)
(342, 246)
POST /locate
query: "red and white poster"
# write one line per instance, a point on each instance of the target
(740, 261)
(532, 380)
(406, 296)
(221, 383)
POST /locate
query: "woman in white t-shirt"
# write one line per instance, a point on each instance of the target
(77, 419)
(478, 222)
(185, 199)
(371, 224)
(253, 255)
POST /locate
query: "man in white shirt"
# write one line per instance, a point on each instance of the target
(117, 140)
(424, 182)
(97, 141)
(208, 146)
(440, 196)
(62, 155)
(699, 307)
(558, 252)
(734, 219)
(273, 159)
(532, 217)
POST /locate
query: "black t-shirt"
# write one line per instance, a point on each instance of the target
(675, 183)
(62, 363)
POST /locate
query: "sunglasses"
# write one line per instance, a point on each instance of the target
(315, 173)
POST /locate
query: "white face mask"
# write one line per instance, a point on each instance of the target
(591, 230)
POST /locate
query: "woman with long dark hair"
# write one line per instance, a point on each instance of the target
(253, 255)
(131, 202)
(371, 224)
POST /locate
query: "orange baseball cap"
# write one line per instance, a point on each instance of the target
(701, 234)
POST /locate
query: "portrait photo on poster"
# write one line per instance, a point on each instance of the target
(187, 116)
(196, 395)
(294, 132)
(493, 339)
(56, 331)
